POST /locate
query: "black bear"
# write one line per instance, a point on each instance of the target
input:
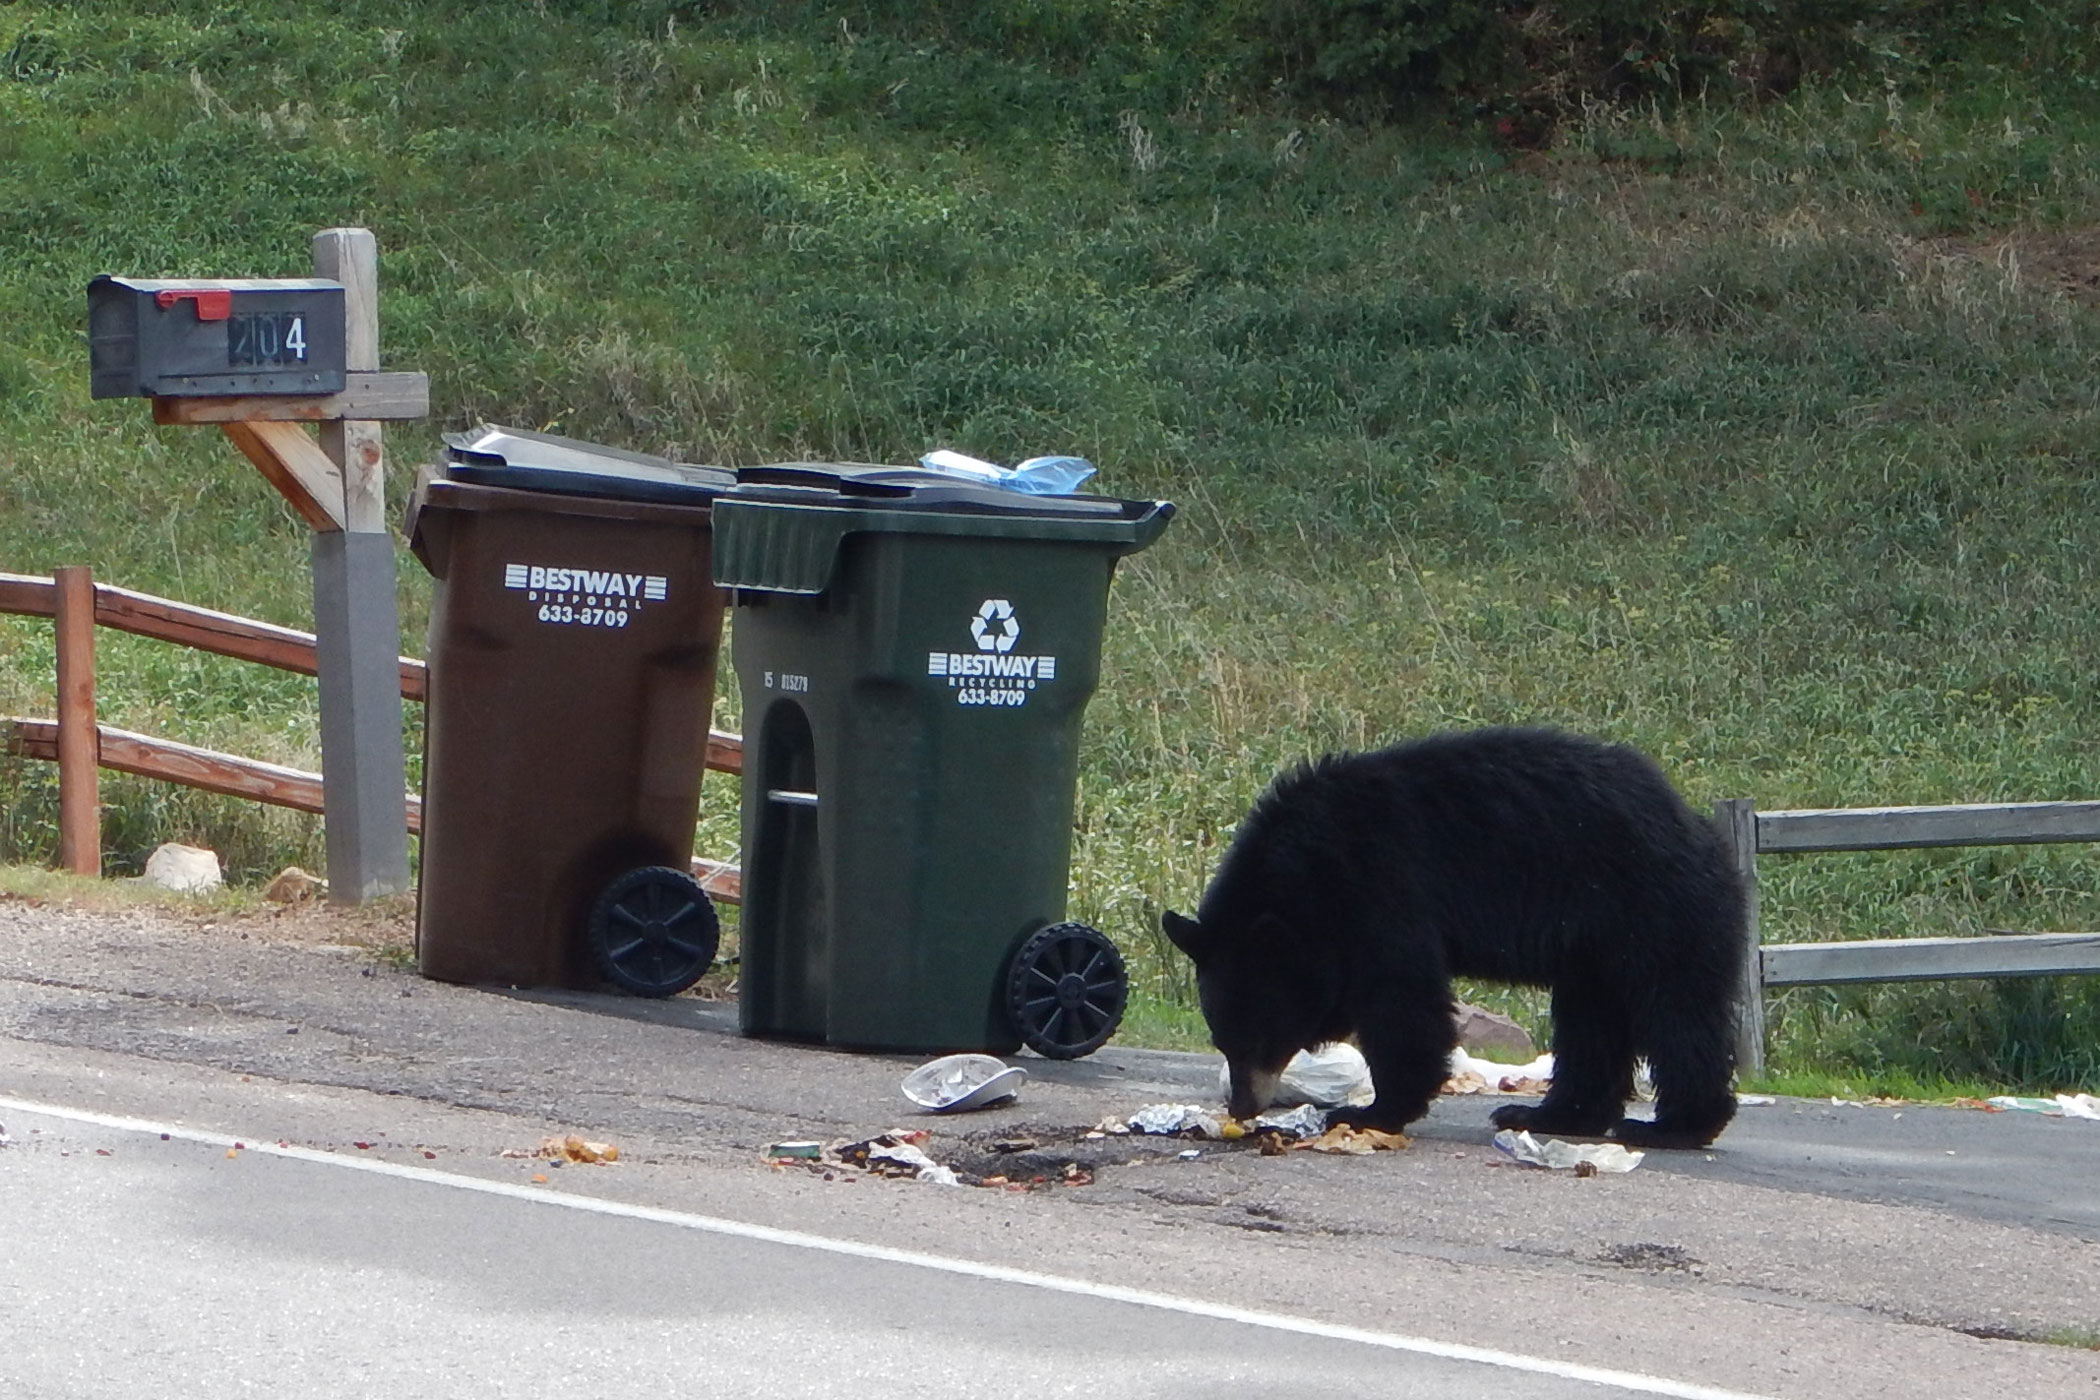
(1360, 884)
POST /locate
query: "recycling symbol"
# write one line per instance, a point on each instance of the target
(995, 627)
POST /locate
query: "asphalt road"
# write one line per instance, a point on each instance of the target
(1817, 1250)
(139, 1262)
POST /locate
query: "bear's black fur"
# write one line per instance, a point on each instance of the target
(1360, 884)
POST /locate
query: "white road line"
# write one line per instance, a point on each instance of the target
(1137, 1297)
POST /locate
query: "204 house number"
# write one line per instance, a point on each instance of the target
(266, 339)
(582, 617)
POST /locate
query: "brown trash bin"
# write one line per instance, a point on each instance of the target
(573, 639)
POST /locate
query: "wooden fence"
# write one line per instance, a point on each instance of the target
(80, 746)
(1753, 833)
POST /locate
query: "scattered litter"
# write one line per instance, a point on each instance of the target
(1564, 1156)
(956, 1083)
(901, 1154)
(1190, 1120)
(2061, 1106)
(1471, 1075)
(1755, 1100)
(1172, 1120)
(575, 1149)
(294, 886)
(895, 1154)
(1354, 1142)
(4, 1138)
(1331, 1076)
(1191, 1155)
(1304, 1121)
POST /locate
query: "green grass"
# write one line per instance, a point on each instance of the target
(1857, 1087)
(1761, 438)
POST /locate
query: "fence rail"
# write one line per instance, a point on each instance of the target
(1923, 828)
(79, 745)
(1752, 833)
(122, 751)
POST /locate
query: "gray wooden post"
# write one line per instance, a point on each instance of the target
(357, 622)
(1737, 818)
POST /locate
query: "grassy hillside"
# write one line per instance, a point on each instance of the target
(1762, 438)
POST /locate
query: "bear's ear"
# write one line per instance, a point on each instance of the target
(1185, 933)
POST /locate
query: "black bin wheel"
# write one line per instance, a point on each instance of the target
(653, 931)
(1065, 991)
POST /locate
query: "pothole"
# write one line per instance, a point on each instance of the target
(1657, 1258)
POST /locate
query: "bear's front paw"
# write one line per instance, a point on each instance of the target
(1513, 1115)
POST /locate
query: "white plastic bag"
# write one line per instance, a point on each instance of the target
(1331, 1076)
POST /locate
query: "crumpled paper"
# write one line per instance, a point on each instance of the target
(1566, 1156)
(1353, 1142)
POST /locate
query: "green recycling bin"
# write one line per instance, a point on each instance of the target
(915, 654)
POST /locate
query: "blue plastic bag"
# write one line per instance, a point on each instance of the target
(1038, 476)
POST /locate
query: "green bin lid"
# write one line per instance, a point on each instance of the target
(780, 529)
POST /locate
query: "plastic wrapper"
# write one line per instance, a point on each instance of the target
(1566, 1156)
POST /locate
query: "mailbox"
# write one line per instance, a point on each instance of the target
(226, 337)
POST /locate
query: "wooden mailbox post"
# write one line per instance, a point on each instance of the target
(262, 395)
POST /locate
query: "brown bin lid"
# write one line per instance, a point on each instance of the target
(492, 455)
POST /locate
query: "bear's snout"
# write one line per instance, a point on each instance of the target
(1253, 1090)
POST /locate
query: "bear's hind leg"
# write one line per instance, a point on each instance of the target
(1694, 1100)
(1592, 1070)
